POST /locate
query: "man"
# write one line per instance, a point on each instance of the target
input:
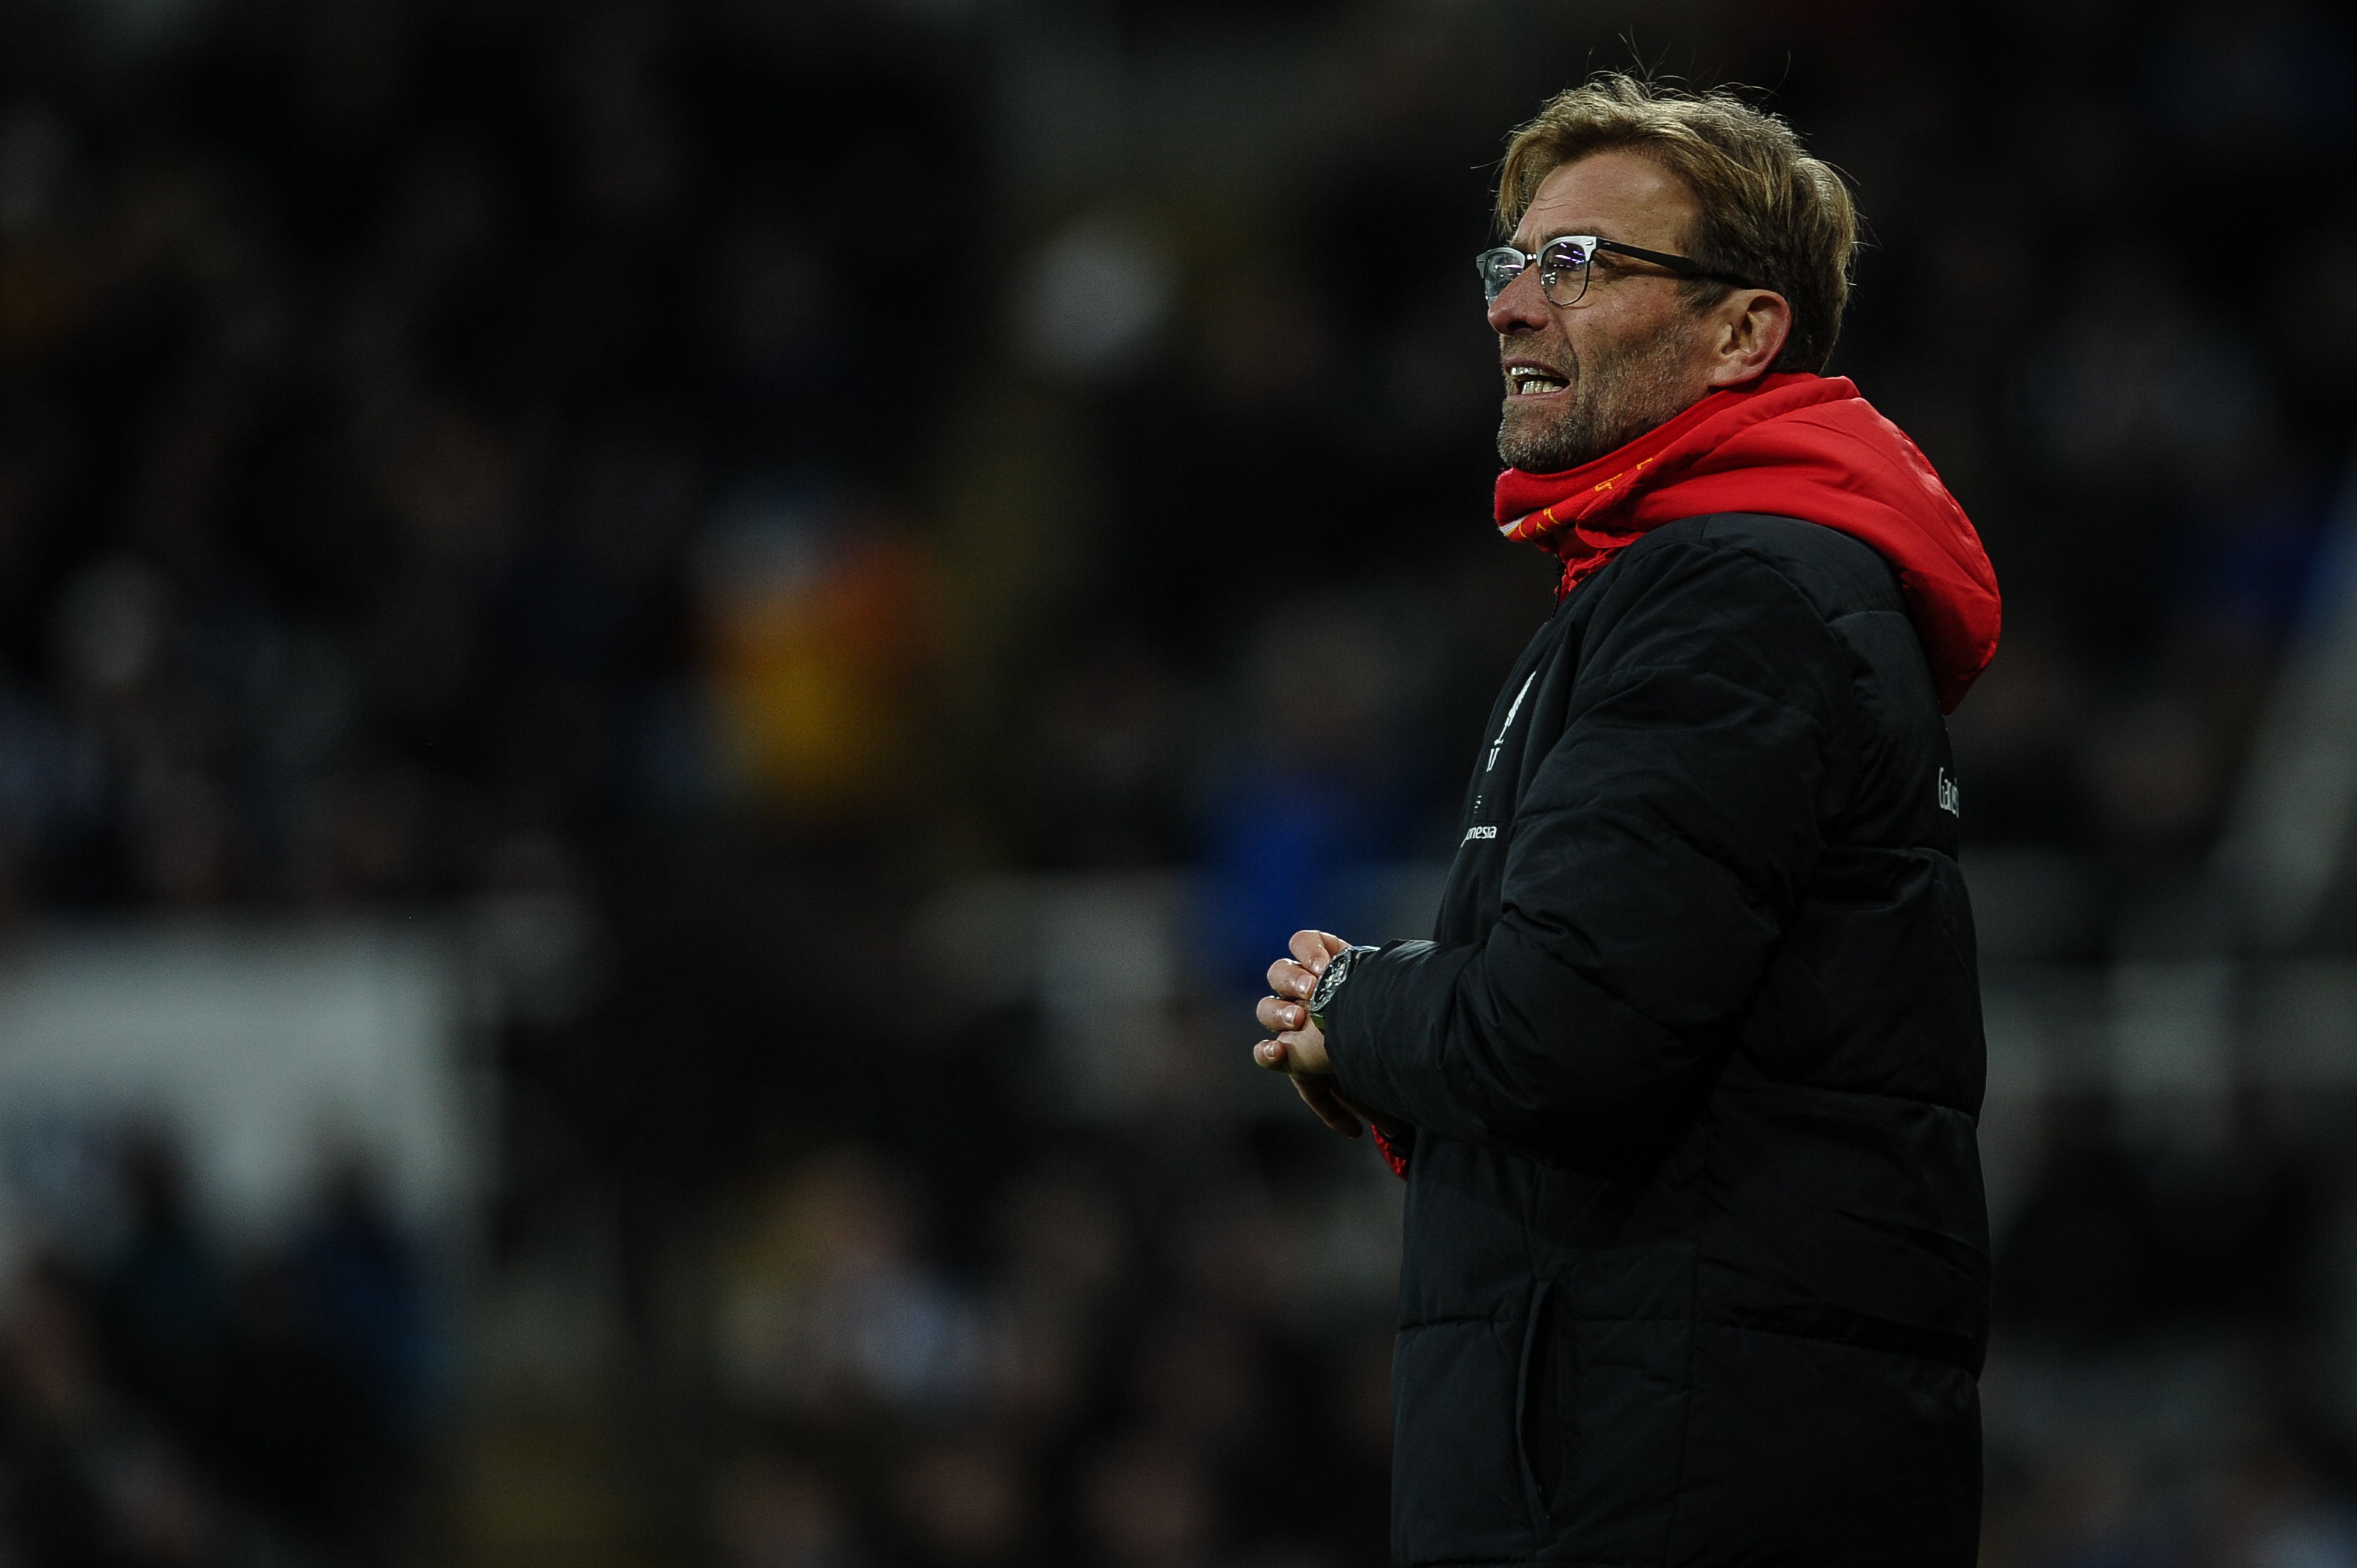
(1683, 1086)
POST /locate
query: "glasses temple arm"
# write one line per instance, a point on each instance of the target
(1684, 266)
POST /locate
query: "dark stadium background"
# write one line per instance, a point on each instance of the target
(763, 547)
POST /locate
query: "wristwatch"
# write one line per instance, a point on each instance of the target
(1337, 970)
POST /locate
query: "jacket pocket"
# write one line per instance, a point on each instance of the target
(1624, 1332)
(1460, 1491)
(1538, 1442)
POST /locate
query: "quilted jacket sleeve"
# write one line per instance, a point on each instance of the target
(1654, 859)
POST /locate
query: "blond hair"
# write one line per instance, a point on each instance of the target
(1771, 214)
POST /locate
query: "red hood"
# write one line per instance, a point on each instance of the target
(1791, 446)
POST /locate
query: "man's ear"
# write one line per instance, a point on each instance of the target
(1751, 326)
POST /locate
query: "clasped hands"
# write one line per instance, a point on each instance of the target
(1298, 1047)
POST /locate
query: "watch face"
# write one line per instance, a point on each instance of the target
(1330, 982)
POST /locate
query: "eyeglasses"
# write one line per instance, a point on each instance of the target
(1564, 264)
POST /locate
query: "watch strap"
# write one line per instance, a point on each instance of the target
(1329, 984)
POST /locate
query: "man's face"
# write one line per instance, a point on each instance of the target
(1585, 379)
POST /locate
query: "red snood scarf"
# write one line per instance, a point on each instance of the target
(1790, 446)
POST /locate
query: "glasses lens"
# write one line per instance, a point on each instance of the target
(1563, 271)
(1499, 268)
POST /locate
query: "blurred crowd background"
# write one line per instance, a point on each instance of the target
(854, 568)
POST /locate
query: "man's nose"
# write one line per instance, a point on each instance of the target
(1520, 304)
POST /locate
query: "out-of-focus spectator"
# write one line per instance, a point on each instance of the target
(1063, 1254)
(1148, 1503)
(1106, 771)
(85, 1476)
(2241, 1224)
(163, 1291)
(830, 1311)
(297, 1434)
(967, 1505)
(2273, 1507)
(1304, 806)
(184, 1404)
(819, 628)
(2112, 1241)
(2083, 1258)
(770, 1513)
(365, 1294)
(2097, 1511)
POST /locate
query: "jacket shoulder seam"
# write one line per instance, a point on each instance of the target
(1850, 713)
(1692, 534)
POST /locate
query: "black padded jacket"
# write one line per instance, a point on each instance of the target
(1697, 1260)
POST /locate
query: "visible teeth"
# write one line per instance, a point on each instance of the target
(1530, 381)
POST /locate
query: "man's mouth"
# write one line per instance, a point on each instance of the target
(1533, 380)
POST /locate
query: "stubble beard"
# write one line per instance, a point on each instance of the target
(1616, 395)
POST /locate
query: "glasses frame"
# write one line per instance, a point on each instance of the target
(1492, 286)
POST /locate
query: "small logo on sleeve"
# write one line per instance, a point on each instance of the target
(1486, 831)
(1952, 796)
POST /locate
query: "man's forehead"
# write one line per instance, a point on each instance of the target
(1606, 193)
